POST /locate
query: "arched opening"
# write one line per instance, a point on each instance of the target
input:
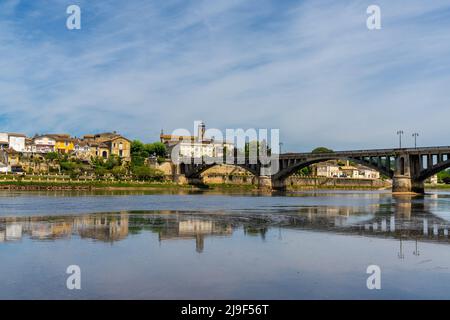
(105, 154)
(216, 170)
(292, 169)
(428, 172)
(402, 165)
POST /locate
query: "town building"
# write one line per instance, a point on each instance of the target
(81, 149)
(109, 143)
(196, 146)
(42, 144)
(15, 141)
(334, 169)
(327, 169)
(4, 141)
(64, 144)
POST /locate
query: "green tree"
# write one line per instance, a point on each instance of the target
(112, 161)
(118, 172)
(141, 151)
(157, 149)
(52, 156)
(322, 150)
(306, 171)
(444, 176)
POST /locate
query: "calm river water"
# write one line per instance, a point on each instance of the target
(142, 245)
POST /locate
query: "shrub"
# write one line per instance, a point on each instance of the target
(147, 173)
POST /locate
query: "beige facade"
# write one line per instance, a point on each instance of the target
(327, 169)
(121, 147)
(106, 144)
(99, 150)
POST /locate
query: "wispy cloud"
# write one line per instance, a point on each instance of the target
(310, 68)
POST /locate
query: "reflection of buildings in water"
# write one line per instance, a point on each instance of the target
(42, 230)
(13, 232)
(102, 227)
(194, 229)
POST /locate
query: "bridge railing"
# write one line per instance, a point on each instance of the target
(369, 152)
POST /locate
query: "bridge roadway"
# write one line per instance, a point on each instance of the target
(407, 167)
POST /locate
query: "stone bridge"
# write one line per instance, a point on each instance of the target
(407, 167)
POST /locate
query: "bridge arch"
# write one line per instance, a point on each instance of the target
(290, 170)
(435, 169)
(195, 170)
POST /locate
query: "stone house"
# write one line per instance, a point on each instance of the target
(109, 143)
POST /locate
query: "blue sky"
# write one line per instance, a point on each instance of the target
(310, 68)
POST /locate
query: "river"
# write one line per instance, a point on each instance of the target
(207, 245)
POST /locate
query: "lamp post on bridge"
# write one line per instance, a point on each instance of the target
(415, 135)
(280, 145)
(400, 132)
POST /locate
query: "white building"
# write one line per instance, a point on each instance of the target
(13, 232)
(196, 146)
(4, 140)
(17, 141)
(331, 169)
(42, 144)
(327, 169)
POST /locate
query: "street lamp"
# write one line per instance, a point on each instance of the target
(415, 135)
(280, 144)
(400, 132)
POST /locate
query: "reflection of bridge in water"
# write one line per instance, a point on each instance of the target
(402, 219)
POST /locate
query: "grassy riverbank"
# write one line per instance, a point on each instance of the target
(23, 184)
(18, 184)
(437, 186)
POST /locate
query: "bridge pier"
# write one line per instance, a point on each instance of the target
(279, 185)
(267, 183)
(406, 169)
(264, 183)
(407, 184)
